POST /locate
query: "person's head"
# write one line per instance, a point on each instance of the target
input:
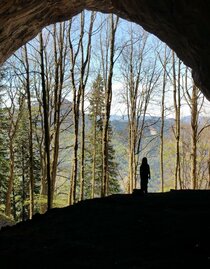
(144, 160)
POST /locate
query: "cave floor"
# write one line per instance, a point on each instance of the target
(158, 230)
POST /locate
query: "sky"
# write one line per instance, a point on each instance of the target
(119, 108)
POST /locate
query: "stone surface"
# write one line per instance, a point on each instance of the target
(183, 24)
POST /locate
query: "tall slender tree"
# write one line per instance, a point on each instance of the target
(193, 96)
(164, 65)
(140, 79)
(95, 135)
(60, 58)
(107, 77)
(30, 135)
(84, 73)
(78, 98)
(45, 101)
(132, 75)
(177, 107)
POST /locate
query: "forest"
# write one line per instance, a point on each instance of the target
(80, 106)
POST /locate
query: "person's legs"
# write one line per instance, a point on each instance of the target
(144, 185)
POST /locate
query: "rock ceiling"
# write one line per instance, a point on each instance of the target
(183, 24)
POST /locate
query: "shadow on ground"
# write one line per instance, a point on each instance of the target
(163, 230)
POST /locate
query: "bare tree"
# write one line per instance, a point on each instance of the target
(84, 73)
(195, 101)
(45, 101)
(140, 79)
(164, 65)
(177, 107)
(31, 158)
(132, 74)
(108, 67)
(78, 87)
(60, 55)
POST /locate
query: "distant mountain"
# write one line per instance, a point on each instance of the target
(119, 118)
(201, 119)
(186, 119)
(152, 124)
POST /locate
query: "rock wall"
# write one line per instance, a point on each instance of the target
(183, 24)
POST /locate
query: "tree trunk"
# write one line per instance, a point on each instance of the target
(77, 95)
(11, 178)
(94, 159)
(108, 100)
(176, 96)
(23, 185)
(208, 185)
(31, 165)
(59, 78)
(46, 124)
(82, 168)
(162, 123)
(194, 127)
(76, 102)
(138, 92)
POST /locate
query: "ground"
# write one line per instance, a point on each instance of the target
(5, 221)
(162, 230)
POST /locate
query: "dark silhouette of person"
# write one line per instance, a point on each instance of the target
(144, 174)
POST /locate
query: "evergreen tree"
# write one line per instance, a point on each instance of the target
(4, 158)
(22, 172)
(94, 161)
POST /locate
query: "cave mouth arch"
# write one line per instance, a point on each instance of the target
(182, 24)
